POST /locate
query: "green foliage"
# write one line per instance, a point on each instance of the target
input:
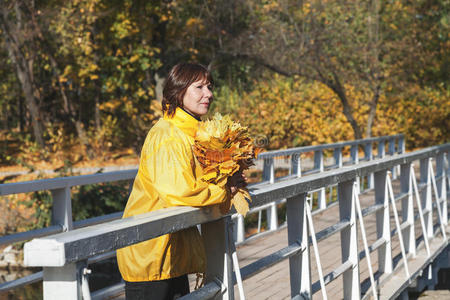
(88, 201)
(41, 202)
(99, 199)
(95, 67)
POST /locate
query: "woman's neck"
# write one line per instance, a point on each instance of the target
(197, 118)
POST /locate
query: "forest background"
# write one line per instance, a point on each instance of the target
(81, 80)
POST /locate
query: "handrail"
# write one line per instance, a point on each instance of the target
(304, 149)
(70, 181)
(290, 188)
(296, 169)
(60, 188)
(260, 196)
(78, 245)
(65, 183)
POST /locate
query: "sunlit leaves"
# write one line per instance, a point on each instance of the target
(301, 113)
(224, 147)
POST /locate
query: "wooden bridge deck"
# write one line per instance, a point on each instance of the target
(273, 283)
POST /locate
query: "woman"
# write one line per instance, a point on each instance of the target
(169, 175)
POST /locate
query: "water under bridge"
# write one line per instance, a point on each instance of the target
(339, 225)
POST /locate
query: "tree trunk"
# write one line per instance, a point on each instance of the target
(373, 110)
(159, 86)
(97, 112)
(69, 110)
(347, 110)
(24, 70)
(336, 87)
(21, 116)
(67, 104)
(333, 84)
(27, 88)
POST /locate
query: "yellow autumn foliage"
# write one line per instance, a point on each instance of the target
(291, 112)
(224, 147)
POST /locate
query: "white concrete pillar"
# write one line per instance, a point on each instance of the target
(61, 283)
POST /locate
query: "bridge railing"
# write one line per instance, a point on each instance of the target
(64, 256)
(61, 219)
(60, 189)
(343, 154)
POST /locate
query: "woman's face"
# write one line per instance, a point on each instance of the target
(198, 97)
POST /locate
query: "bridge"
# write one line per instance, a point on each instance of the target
(343, 236)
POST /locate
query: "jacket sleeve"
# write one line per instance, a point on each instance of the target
(171, 170)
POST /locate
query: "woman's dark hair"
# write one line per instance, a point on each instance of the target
(181, 76)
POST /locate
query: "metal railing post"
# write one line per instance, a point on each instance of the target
(299, 264)
(368, 153)
(349, 240)
(240, 229)
(391, 151)
(441, 186)
(62, 208)
(272, 216)
(383, 223)
(296, 164)
(354, 153)
(381, 149)
(401, 144)
(61, 283)
(337, 153)
(391, 146)
(269, 175)
(425, 196)
(400, 150)
(268, 170)
(447, 167)
(318, 165)
(219, 266)
(408, 209)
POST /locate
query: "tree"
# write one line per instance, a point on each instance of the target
(20, 42)
(338, 43)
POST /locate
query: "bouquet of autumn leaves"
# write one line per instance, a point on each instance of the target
(224, 147)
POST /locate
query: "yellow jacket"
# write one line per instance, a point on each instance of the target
(168, 175)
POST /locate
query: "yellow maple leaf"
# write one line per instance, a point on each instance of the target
(241, 201)
(223, 147)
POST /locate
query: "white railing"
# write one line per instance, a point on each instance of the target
(385, 145)
(62, 221)
(60, 189)
(64, 256)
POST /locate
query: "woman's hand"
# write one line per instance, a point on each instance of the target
(237, 181)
